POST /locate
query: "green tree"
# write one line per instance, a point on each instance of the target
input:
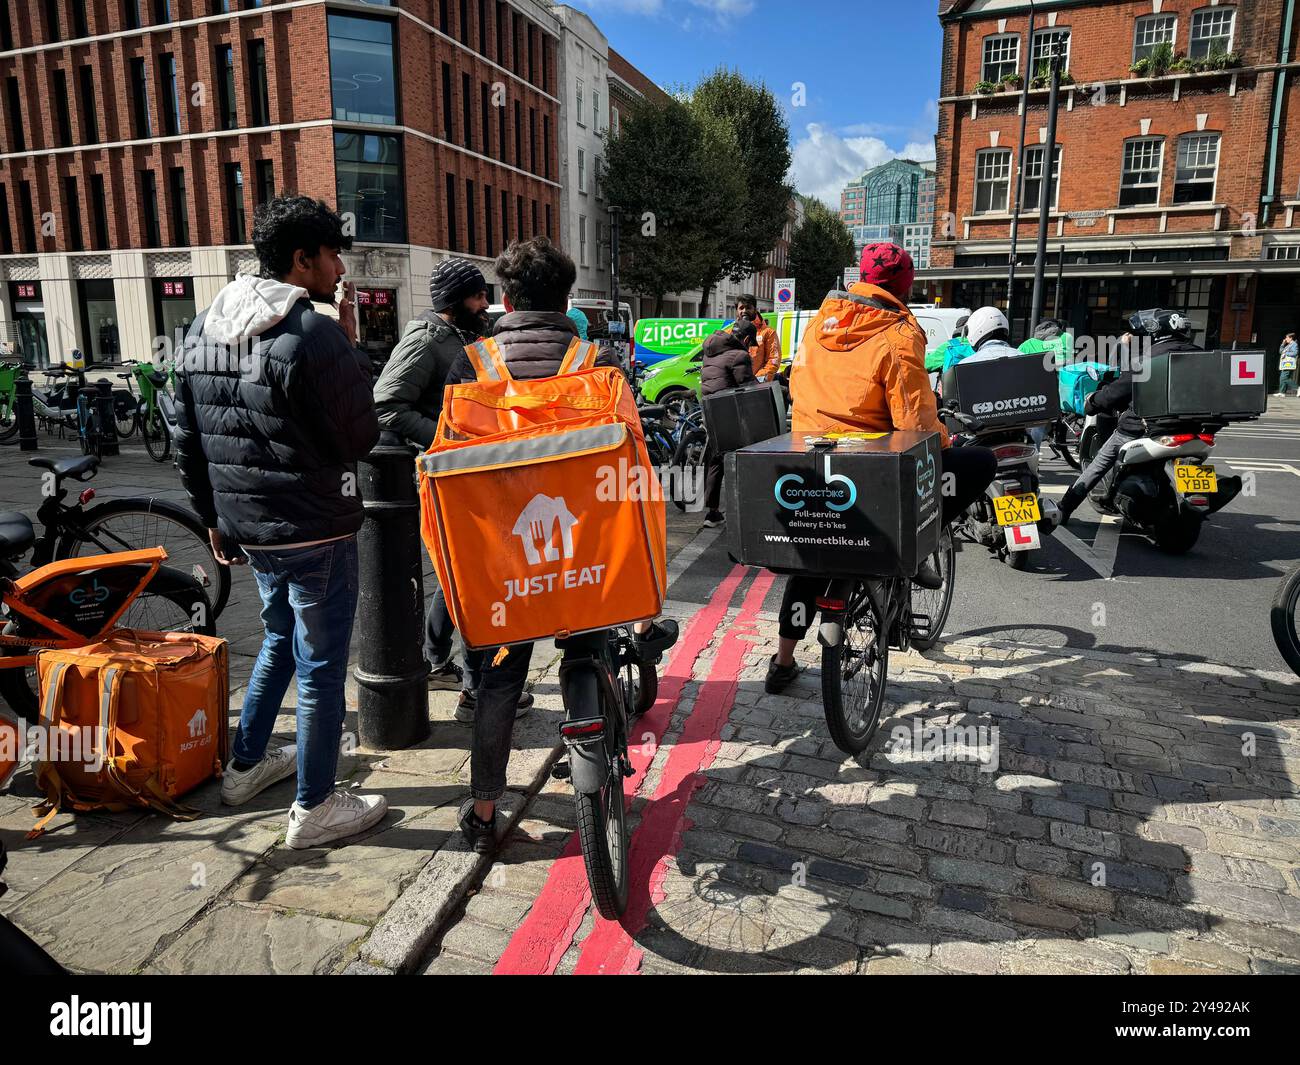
(678, 203)
(821, 248)
(763, 161)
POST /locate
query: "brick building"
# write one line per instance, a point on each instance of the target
(137, 136)
(1174, 186)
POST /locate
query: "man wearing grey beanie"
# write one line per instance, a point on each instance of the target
(408, 400)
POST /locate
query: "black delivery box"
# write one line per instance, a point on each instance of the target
(1003, 393)
(738, 417)
(868, 506)
(1227, 385)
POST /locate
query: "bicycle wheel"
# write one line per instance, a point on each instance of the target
(854, 673)
(173, 608)
(1284, 620)
(8, 418)
(134, 524)
(602, 830)
(157, 437)
(936, 603)
(124, 413)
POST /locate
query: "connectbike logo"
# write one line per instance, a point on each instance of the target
(791, 493)
(927, 475)
(95, 594)
(133, 1020)
(1003, 406)
(540, 524)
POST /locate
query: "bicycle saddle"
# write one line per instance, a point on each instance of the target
(16, 533)
(158, 380)
(652, 411)
(82, 467)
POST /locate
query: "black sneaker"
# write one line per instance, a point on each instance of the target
(479, 834)
(714, 518)
(446, 677)
(779, 677)
(468, 703)
(928, 576)
(656, 640)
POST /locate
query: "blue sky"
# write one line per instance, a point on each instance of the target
(870, 67)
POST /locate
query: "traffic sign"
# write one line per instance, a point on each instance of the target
(784, 294)
(852, 275)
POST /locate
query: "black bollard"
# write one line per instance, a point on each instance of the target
(107, 420)
(25, 412)
(391, 674)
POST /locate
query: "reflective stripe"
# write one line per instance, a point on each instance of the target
(516, 452)
(580, 355)
(52, 691)
(106, 698)
(486, 357)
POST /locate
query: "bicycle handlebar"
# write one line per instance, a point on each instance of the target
(965, 420)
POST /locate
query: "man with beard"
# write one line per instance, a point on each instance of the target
(273, 411)
(408, 400)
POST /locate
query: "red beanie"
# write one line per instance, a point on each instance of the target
(890, 267)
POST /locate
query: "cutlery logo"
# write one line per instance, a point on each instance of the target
(536, 525)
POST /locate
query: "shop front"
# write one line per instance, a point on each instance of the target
(377, 326)
(173, 303)
(31, 344)
(101, 336)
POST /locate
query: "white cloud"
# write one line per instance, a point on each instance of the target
(824, 161)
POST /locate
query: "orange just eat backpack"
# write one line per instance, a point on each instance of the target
(539, 507)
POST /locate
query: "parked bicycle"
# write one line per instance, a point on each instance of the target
(151, 413)
(52, 404)
(602, 693)
(1283, 618)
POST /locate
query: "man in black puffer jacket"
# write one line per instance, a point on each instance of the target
(273, 411)
(727, 363)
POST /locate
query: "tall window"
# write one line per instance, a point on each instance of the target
(582, 101)
(72, 204)
(361, 69)
(180, 207)
(536, 229)
(6, 234)
(546, 146)
(229, 116)
(89, 108)
(582, 170)
(482, 32)
(80, 27)
(368, 170)
(597, 170)
(234, 181)
(519, 218)
(532, 139)
(453, 242)
(485, 116)
(27, 215)
(1198, 167)
(162, 10)
(1139, 184)
(63, 116)
(505, 218)
(140, 99)
(550, 233)
(1031, 200)
(447, 132)
(501, 133)
(532, 52)
(149, 229)
(464, 21)
(1212, 31)
(1045, 41)
(265, 177)
(169, 99)
(131, 9)
(501, 33)
(52, 20)
(444, 16)
(99, 203)
(258, 94)
(489, 234)
(519, 135)
(1150, 31)
(6, 43)
(992, 180)
(471, 222)
(466, 121)
(595, 110)
(1001, 56)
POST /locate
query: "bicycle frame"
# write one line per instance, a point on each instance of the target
(56, 596)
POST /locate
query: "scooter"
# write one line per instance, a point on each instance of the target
(1006, 520)
(1163, 483)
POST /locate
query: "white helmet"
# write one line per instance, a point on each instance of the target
(984, 323)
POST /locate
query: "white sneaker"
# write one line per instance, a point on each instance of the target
(237, 788)
(344, 813)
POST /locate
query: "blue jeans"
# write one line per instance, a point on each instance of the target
(309, 598)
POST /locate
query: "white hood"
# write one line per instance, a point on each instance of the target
(248, 307)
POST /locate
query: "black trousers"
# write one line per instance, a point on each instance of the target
(712, 478)
(967, 472)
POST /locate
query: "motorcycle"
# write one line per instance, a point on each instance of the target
(1006, 520)
(1163, 483)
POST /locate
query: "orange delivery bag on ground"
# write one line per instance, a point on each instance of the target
(539, 506)
(135, 719)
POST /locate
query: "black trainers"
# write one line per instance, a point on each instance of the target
(714, 518)
(928, 576)
(468, 703)
(446, 677)
(779, 677)
(656, 640)
(479, 834)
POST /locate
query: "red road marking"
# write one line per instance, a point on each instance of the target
(610, 948)
(548, 930)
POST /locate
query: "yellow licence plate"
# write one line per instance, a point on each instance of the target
(1017, 510)
(1198, 479)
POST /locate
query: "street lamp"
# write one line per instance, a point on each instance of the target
(1020, 168)
(1045, 180)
